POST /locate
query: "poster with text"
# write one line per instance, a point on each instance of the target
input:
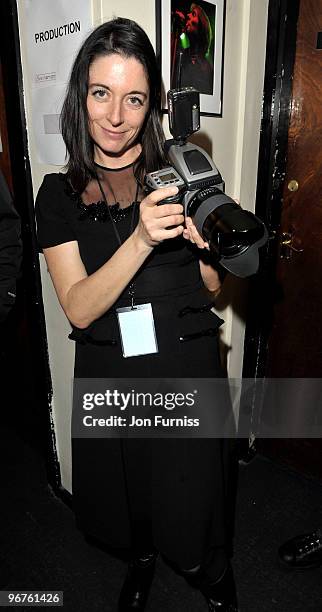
(54, 33)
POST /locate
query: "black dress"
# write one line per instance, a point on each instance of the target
(127, 493)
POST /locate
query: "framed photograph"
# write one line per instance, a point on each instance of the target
(190, 38)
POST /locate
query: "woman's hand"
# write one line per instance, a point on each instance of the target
(191, 233)
(158, 223)
(209, 274)
(84, 297)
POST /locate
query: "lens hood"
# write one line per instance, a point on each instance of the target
(234, 234)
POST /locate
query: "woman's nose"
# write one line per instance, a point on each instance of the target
(116, 113)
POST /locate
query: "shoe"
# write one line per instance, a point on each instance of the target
(303, 551)
(220, 595)
(135, 590)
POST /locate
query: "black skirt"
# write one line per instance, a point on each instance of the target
(177, 488)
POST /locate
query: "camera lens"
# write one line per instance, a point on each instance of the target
(231, 230)
(234, 235)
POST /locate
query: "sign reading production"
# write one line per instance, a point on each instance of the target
(54, 33)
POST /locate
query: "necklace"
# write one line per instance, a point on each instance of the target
(116, 169)
(113, 219)
(117, 206)
(116, 202)
(131, 287)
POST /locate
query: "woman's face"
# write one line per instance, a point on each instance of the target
(117, 103)
(192, 23)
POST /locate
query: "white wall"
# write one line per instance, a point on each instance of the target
(233, 142)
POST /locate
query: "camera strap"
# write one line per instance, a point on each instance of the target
(136, 322)
(131, 289)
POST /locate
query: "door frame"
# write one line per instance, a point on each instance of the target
(24, 202)
(279, 67)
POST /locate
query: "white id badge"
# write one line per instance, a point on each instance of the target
(137, 330)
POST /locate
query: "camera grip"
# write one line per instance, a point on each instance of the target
(175, 199)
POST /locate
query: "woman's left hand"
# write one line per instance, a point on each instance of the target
(191, 233)
(209, 274)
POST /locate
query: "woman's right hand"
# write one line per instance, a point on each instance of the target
(158, 223)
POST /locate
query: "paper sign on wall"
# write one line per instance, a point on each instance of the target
(55, 31)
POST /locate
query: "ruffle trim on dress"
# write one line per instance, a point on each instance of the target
(96, 211)
(194, 310)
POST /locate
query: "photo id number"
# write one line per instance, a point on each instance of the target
(31, 598)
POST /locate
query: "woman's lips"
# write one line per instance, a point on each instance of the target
(113, 135)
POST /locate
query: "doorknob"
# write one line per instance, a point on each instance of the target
(293, 185)
(287, 247)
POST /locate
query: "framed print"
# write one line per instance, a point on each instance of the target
(190, 49)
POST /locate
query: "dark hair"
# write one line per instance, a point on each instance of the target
(127, 38)
(205, 35)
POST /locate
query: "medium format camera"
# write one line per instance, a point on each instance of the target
(234, 235)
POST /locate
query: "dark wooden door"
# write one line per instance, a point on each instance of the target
(295, 342)
(5, 164)
(25, 376)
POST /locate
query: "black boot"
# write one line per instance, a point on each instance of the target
(135, 590)
(220, 594)
(303, 551)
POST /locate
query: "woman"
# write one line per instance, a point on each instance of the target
(194, 34)
(107, 246)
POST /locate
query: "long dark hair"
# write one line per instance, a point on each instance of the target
(127, 38)
(205, 36)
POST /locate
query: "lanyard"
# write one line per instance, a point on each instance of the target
(131, 288)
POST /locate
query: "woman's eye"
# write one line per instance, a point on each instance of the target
(134, 101)
(99, 94)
